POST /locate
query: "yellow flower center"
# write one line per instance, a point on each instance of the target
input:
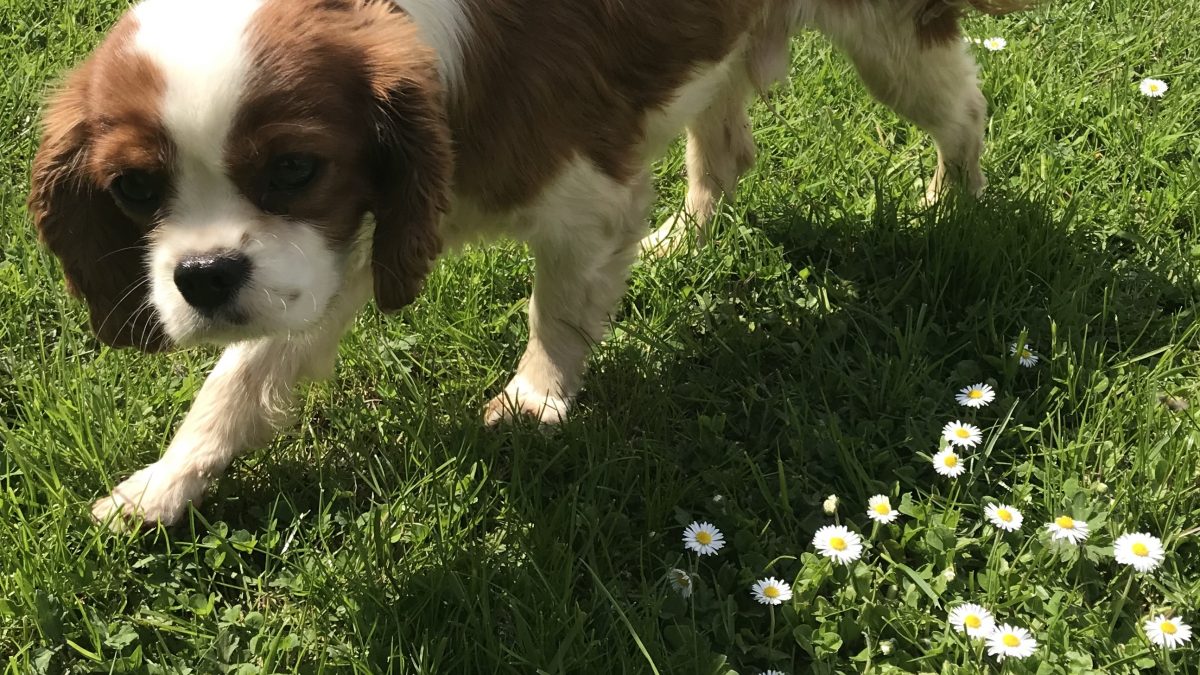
(972, 621)
(962, 432)
(1153, 87)
(703, 538)
(1011, 640)
(975, 393)
(1140, 550)
(837, 543)
(1168, 628)
(1005, 515)
(883, 508)
(1025, 353)
(1065, 522)
(951, 461)
(771, 592)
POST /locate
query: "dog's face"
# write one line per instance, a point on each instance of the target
(205, 175)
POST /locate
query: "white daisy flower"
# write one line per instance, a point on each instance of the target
(839, 543)
(961, 434)
(879, 509)
(1066, 527)
(773, 672)
(976, 395)
(886, 646)
(1012, 641)
(1169, 633)
(772, 591)
(1153, 88)
(994, 44)
(830, 505)
(681, 581)
(1004, 517)
(972, 620)
(703, 538)
(948, 463)
(1141, 551)
(1024, 354)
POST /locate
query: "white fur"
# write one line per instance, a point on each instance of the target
(201, 49)
(445, 26)
(584, 232)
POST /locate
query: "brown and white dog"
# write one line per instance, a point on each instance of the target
(251, 172)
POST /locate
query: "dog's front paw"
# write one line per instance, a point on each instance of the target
(156, 494)
(519, 399)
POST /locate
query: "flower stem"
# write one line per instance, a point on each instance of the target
(1120, 603)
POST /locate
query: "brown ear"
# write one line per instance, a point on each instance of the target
(414, 170)
(101, 249)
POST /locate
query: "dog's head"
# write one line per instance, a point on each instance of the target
(206, 174)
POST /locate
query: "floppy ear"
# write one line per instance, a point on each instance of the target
(102, 250)
(414, 167)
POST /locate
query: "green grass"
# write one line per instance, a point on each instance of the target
(811, 348)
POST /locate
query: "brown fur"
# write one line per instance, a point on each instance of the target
(350, 81)
(104, 119)
(550, 80)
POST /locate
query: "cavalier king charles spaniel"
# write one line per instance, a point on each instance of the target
(250, 173)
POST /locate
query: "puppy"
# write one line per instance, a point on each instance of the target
(249, 173)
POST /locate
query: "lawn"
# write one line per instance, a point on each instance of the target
(813, 347)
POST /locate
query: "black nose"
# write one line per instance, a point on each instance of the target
(209, 281)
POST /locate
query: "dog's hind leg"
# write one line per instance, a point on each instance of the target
(911, 57)
(246, 397)
(720, 148)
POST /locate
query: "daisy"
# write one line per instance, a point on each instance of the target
(995, 44)
(1024, 354)
(681, 581)
(961, 434)
(885, 647)
(880, 510)
(703, 538)
(773, 672)
(1153, 88)
(972, 620)
(948, 463)
(1143, 552)
(1010, 641)
(771, 591)
(839, 543)
(1066, 527)
(1169, 633)
(1004, 517)
(976, 395)
(830, 505)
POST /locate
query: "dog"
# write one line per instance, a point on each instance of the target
(250, 173)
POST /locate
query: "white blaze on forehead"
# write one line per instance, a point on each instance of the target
(200, 47)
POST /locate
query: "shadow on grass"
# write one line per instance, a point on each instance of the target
(815, 358)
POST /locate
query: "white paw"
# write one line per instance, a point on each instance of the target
(669, 238)
(521, 400)
(156, 494)
(974, 184)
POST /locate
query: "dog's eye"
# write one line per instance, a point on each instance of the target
(139, 191)
(291, 173)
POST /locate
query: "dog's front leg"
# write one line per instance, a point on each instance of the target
(245, 399)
